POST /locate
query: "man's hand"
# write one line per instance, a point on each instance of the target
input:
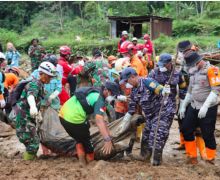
(2, 103)
(107, 148)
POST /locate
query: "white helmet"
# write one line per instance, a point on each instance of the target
(124, 33)
(2, 56)
(47, 68)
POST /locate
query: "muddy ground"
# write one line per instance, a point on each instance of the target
(174, 167)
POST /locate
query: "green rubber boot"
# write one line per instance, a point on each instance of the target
(29, 156)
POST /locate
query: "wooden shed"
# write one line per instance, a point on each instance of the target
(157, 25)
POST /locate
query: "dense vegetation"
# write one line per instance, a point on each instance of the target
(56, 23)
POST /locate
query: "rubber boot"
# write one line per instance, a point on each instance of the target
(145, 153)
(29, 156)
(191, 152)
(182, 145)
(201, 146)
(139, 132)
(90, 157)
(211, 153)
(81, 154)
(157, 159)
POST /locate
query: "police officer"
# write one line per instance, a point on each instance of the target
(73, 117)
(202, 96)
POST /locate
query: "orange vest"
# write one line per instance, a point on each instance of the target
(11, 80)
(138, 66)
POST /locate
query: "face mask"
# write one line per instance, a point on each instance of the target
(128, 86)
(192, 70)
(109, 99)
(163, 69)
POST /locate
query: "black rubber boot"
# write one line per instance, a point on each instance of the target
(145, 153)
(157, 159)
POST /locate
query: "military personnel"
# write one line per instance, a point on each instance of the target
(35, 52)
(144, 93)
(162, 74)
(27, 108)
(100, 75)
(202, 98)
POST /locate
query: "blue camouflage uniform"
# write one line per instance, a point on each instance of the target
(152, 107)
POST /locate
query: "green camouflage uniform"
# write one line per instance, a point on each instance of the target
(36, 56)
(25, 125)
(100, 74)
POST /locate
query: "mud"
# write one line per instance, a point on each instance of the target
(173, 167)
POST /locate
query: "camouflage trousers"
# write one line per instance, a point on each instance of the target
(163, 130)
(35, 62)
(26, 131)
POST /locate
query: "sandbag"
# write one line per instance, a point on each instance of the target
(53, 135)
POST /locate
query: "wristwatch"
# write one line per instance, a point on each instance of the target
(107, 139)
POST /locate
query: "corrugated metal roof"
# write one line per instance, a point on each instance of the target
(138, 18)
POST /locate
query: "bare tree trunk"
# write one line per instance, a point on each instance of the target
(197, 8)
(61, 16)
(81, 13)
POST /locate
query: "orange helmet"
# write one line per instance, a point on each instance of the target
(146, 37)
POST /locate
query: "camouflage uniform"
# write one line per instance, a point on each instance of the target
(26, 125)
(36, 56)
(100, 74)
(168, 111)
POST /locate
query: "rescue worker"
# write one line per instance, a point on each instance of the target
(145, 92)
(12, 55)
(73, 117)
(68, 73)
(126, 51)
(148, 51)
(124, 37)
(11, 81)
(202, 98)
(35, 52)
(100, 74)
(53, 88)
(27, 107)
(184, 47)
(2, 79)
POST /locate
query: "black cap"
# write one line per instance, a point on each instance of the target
(113, 87)
(192, 58)
(184, 45)
(126, 73)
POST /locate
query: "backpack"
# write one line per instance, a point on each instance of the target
(16, 92)
(81, 95)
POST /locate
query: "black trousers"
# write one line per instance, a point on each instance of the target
(207, 125)
(72, 80)
(80, 132)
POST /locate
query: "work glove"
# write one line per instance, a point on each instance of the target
(166, 90)
(53, 96)
(184, 104)
(122, 98)
(33, 107)
(81, 63)
(126, 122)
(212, 98)
(2, 103)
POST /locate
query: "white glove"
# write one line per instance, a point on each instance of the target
(32, 104)
(166, 90)
(109, 99)
(53, 96)
(2, 103)
(124, 124)
(122, 98)
(81, 63)
(212, 98)
(184, 104)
